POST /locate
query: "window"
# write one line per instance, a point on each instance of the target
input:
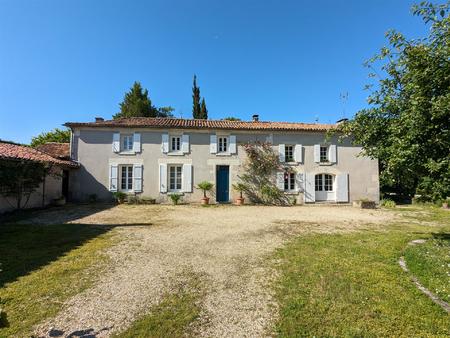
(175, 143)
(324, 182)
(175, 177)
(223, 144)
(127, 142)
(289, 153)
(126, 182)
(323, 154)
(289, 181)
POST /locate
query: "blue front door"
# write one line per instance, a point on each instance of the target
(222, 184)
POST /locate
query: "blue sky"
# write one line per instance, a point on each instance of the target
(285, 60)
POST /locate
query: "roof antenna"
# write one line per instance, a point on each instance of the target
(344, 99)
(316, 120)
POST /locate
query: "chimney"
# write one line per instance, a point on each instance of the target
(99, 119)
(255, 118)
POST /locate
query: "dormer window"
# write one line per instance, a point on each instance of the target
(127, 142)
(222, 144)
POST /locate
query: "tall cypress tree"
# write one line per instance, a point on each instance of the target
(196, 114)
(203, 110)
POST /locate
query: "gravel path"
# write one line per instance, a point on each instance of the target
(227, 245)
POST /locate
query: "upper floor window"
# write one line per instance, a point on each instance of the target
(289, 153)
(324, 154)
(127, 142)
(175, 172)
(222, 144)
(289, 181)
(175, 143)
(126, 182)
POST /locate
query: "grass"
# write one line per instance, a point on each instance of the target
(172, 317)
(430, 263)
(352, 285)
(44, 265)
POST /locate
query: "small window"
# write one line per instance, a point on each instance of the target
(126, 182)
(289, 153)
(223, 144)
(127, 142)
(323, 154)
(175, 143)
(175, 177)
(324, 182)
(289, 181)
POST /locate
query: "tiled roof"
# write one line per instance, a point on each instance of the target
(152, 122)
(56, 149)
(11, 151)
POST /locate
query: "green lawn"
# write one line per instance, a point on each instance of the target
(42, 266)
(352, 285)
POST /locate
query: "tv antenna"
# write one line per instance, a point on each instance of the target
(344, 99)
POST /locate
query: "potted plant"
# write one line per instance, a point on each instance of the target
(119, 196)
(205, 186)
(239, 187)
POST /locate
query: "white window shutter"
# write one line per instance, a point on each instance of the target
(317, 153)
(187, 178)
(233, 148)
(299, 182)
(185, 143)
(137, 178)
(213, 144)
(116, 143)
(137, 142)
(281, 154)
(310, 189)
(298, 153)
(342, 187)
(163, 177)
(280, 180)
(113, 174)
(332, 153)
(165, 143)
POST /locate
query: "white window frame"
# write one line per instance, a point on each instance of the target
(128, 169)
(178, 143)
(289, 181)
(126, 142)
(324, 183)
(324, 159)
(223, 147)
(178, 173)
(289, 148)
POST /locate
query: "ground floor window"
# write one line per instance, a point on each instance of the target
(175, 177)
(289, 181)
(126, 175)
(324, 182)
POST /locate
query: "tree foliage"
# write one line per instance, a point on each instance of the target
(19, 179)
(258, 179)
(232, 118)
(199, 110)
(136, 103)
(203, 110)
(55, 135)
(407, 124)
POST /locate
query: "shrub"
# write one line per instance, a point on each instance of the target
(119, 196)
(133, 199)
(205, 186)
(175, 198)
(387, 203)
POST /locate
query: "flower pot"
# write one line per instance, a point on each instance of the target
(205, 200)
(240, 201)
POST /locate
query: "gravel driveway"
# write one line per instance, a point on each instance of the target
(227, 246)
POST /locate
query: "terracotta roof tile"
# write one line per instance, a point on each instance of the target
(56, 149)
(11, 151)
(150, 122)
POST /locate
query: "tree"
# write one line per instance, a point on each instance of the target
(231, 118)
(56, 135)
(407, 125)
(196, 113)
(136, 103)
(19, 179)
(203, 110)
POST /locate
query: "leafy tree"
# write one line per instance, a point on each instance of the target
(56, 135)
(19, 179)
(232, 118)
(196, 112)
(136, 103)
(407, 125)
(203, 110)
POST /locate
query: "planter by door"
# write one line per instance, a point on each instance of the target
(222, 183)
